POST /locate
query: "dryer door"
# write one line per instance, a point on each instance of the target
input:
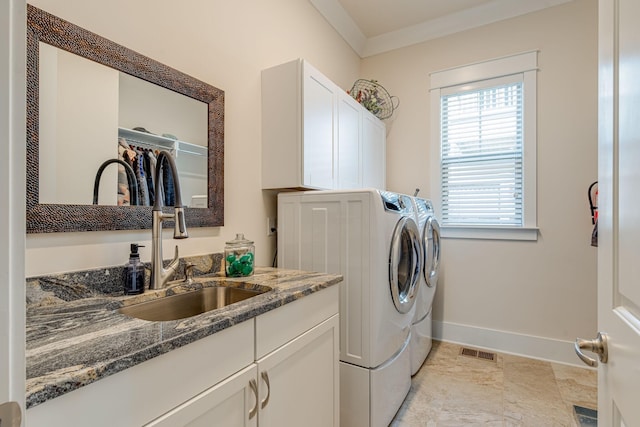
(431, 251)
(405, 264)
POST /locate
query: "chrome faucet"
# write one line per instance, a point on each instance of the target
(160, 275)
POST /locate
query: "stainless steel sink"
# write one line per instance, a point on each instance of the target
(191, 303)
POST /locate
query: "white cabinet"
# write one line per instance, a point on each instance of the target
(278, 369)
(313, 132)
(361, 146)
(145, 391)
(232, 403)
(298, 382)
(373, 152)
(318, 119)
(349, 157)
(299, 378)
(295, 384)
(296, 388)
(298, 117)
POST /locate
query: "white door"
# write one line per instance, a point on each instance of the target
(619, 216)
(12, 216)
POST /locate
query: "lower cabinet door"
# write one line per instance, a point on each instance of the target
(231, 403)
(299, 382)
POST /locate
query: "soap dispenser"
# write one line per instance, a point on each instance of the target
(134, 272)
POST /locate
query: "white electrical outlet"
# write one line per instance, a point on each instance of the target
(271, 226)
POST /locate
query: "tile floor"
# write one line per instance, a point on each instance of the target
(455, 390)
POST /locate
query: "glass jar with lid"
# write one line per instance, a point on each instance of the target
(239, 257)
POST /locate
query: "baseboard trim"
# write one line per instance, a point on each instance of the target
(547, 349)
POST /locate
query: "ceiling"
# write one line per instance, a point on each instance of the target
(376, 26)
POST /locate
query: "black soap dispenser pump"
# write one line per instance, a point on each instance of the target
(134, 272)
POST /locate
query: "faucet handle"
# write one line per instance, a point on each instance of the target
(180, 225)
(188, 271)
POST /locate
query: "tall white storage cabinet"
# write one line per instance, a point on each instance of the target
(314, 134)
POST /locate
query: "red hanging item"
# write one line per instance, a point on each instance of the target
(593, 201)
(593, 205)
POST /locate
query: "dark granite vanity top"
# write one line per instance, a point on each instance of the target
(76, 336)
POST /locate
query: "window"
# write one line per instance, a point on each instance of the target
(484, 148)
(481, 155)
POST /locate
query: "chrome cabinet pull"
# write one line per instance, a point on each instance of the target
(254, 387)
(598, 346)
(265, 378)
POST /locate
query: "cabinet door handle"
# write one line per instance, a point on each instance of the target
(265, 378)
(254, 387)
(11, 414)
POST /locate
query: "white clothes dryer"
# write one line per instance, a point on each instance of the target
(371, 238)
(421, 328)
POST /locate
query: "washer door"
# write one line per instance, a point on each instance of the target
(405, 264)
(431, 237)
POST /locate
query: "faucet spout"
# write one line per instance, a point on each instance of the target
(160, 275)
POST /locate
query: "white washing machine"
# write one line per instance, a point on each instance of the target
(421, 329)
(372, 239)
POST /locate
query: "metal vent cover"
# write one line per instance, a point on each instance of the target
(478, 354)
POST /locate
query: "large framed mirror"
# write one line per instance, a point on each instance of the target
(76, 124)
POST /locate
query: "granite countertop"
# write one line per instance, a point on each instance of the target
(76, 336)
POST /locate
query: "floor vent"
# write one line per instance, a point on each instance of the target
(478, 354)
(586, 417)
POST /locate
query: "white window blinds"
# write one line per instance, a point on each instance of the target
(482, 154)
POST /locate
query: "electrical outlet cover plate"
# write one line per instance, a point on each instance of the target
(271, 226)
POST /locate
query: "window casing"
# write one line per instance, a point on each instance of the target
(483, 148)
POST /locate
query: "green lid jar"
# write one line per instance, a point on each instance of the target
(239, 257)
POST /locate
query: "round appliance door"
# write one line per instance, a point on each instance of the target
(431, 251)
(405, 264)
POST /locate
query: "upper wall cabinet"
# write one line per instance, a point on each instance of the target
(349, 153)
(314, 135)
(374, 137)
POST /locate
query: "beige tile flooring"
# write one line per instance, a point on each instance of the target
(455, 390)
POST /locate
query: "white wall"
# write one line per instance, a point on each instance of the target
(226, 44)
(524, 297)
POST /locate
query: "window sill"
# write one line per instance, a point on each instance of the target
(490, 233)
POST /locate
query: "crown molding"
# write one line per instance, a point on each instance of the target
(488, 13)
(342, 22)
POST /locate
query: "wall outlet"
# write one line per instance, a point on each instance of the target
(271, 226)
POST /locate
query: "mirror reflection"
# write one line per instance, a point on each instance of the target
(101, 130)
(104, 109)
